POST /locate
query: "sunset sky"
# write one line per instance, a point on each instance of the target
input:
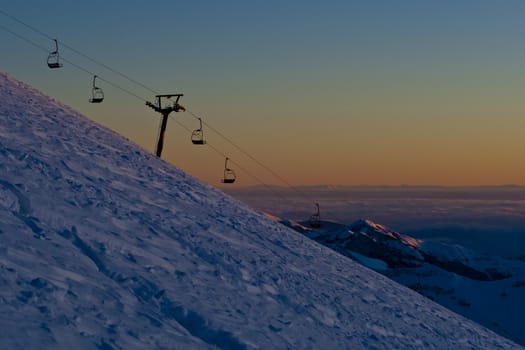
(375, 92)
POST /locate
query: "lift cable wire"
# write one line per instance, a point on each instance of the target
(105, 80)
(108, 68)
(267, 168)
(36, 30)
(73, 64)
(138, 97)
(271, 171)
(23, 38)
(223, 155)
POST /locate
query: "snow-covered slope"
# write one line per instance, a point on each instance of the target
(104, 246)
(489, 290)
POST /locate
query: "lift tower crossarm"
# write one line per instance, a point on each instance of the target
(165, 111)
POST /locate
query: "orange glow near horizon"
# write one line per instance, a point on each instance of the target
(411, 95)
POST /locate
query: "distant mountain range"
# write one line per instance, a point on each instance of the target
(488, 290)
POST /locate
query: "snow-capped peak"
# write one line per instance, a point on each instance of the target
(484, 288)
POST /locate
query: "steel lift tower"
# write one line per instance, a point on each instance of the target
(165, 111)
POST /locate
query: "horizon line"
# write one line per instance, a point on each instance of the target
(328, 186)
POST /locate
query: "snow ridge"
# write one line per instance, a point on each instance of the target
(105, 246)
(486, 289)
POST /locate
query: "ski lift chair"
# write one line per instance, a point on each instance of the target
(53, 60)
(97, 94)
(229, 174)
(197, 136)
(315, 219)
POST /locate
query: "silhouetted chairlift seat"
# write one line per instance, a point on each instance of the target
(315, 219)
(53, 59)
(97, 94)
(229, 174)
(197, 136)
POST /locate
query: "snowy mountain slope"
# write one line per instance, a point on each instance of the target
(104, 246)
(488, 290)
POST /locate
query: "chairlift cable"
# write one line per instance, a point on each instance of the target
(223, 155)
(108, 68)
(25, 24)
(24, 38)
(267, 168)
(271, 171)
(105, 80)
(138, 97)
(79, 67)
(36, 30)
